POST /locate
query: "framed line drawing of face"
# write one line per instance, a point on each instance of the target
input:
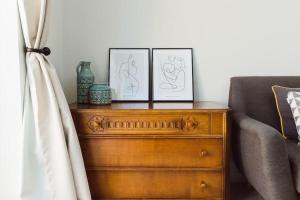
(129, 74)
(172, 74)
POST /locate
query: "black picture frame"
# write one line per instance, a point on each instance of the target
(153, 76)
(149, 74)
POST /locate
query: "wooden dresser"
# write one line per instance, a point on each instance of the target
(155, 150)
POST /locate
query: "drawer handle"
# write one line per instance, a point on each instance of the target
(203, 185)
(203, 153)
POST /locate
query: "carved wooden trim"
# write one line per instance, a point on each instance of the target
(99, 123)
(189, 123)
(142, 124)
(96, 123)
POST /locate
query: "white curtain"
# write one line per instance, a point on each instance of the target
(52, 164)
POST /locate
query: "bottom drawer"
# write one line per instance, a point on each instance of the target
(155, 183)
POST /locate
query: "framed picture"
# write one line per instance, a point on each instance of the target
(173, 74)
(129, 74)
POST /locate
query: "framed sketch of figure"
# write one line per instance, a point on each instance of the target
(129, 74)
(173, 74)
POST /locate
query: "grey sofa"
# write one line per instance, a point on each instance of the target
(270, 163)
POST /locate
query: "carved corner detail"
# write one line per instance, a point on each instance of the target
(189, 123)
(96, 123)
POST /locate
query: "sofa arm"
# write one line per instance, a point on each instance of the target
(262, 157)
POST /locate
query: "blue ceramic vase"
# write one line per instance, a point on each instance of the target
(85, 79)
(100, 94)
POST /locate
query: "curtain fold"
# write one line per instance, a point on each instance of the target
(52, 164)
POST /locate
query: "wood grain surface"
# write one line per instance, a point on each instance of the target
(155, 150)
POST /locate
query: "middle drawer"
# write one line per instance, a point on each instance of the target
(156, 152)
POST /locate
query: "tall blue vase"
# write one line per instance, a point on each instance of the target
(85, 79)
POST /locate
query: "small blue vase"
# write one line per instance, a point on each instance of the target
(85, 79)
(100, 94)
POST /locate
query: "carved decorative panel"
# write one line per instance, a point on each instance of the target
(190, 123)
(96, 123)
(167, 124)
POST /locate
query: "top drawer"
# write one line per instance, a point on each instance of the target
(102, 123)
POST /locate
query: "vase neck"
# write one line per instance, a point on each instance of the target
(85, 64)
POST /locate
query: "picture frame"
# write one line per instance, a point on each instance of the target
(129, 74)
(172, 75)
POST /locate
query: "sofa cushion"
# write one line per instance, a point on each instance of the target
(294, 156)
(293, 99)
(287, 122)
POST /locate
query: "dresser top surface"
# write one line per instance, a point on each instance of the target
(203, 105)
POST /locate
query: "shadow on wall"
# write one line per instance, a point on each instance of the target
(197, 81)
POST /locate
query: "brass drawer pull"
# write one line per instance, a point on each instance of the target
(203, 153)
(203, 185)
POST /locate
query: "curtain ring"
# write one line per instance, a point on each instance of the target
(46, 51)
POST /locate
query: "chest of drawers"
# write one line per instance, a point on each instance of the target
(155, 150)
